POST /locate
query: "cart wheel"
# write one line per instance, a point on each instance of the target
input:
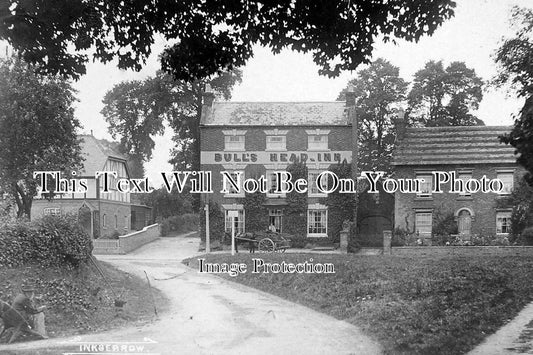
(266, 245)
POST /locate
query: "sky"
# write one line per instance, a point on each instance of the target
(471, 36)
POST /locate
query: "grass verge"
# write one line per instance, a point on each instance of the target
(79, 301)
(424, 305)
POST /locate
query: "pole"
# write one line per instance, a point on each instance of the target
(207, 236)
(233, 235)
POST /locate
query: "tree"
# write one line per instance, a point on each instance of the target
(37, 130)
(137, 110)
(515, 61)
(379, 90)
(445, 97)
(210, 36)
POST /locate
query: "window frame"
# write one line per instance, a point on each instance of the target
(323, 225)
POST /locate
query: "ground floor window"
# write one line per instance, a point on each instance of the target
(503, 222)
(317, 222)
(423, 223)
(52, 211)
(274, 220)
(239, 221)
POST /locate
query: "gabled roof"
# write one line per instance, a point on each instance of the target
(275, 114)
(453, 145)
(96, 152)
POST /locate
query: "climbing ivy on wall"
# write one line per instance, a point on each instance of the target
(216, 222)
(295, 216)
(341, 206)
(256, 213)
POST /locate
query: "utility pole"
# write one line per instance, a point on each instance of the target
(352, 118)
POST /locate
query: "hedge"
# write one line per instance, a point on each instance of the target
(48, 241)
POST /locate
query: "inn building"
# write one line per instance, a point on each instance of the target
(259, 138)
(470, 152)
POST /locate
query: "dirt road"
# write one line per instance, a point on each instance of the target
(209, 315)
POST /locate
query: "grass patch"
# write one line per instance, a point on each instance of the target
(79, 301)
(423, 305)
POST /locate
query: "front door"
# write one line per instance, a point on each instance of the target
(464, 222)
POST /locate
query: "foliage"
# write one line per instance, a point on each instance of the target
(256, 212)
(136, 111)
(184, 223)
(515, 63)
(167, 204)
(216, 223)
(527, 236)
(444, 224)
(445, 97)
(295, 214)
(521, 200)
(402, 237)
(37, 130)
(424, 305)
(80, 301)
(48, 241)
(209, 37)
(514, 57)
(379, 91)
(340, 205)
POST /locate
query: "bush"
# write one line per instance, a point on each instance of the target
(51, 240)
(298, 240)
(527, 236)
(180, 224)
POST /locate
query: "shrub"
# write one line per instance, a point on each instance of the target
(63, 239)
(51, 240)
(527, 236)
(444, 225)
(298, 240)
(180, 224)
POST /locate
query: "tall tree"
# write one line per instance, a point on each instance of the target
(136, 111)
(37, 130)
(515, 61)
(445, 97)
(210, 36)
(379, 91)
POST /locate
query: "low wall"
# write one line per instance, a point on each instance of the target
(126, 243)
(462, 250)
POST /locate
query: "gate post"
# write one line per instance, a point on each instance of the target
(387, 247)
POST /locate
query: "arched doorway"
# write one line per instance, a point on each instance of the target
(464, 222)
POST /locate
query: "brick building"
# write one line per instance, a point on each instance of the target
(259, 138)
(99, 213)
(471, 152)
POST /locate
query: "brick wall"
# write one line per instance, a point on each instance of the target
(126, 243)
(212, 140)
(483, 205)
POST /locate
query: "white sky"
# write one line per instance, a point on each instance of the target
(471, 36)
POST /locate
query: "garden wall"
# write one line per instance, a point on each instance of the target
(462, 250)
(126, 243)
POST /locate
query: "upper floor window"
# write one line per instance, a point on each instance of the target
(52, 211)
(318, 142)
(507, 178)
(234, 140)
(426, 185)
(276, 143)
(464, 176)
(234, 177)
(272, 185)
(317, 139)
(312, 183)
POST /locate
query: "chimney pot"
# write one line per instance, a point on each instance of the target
(350, 96)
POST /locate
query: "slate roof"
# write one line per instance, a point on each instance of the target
(96, 152)
(454, 145)
(275, 114)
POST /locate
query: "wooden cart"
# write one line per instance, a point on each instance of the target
(264, 242)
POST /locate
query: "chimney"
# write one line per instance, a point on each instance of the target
(91, 132)
(208, 96)
(350, 96)
(400, 124)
